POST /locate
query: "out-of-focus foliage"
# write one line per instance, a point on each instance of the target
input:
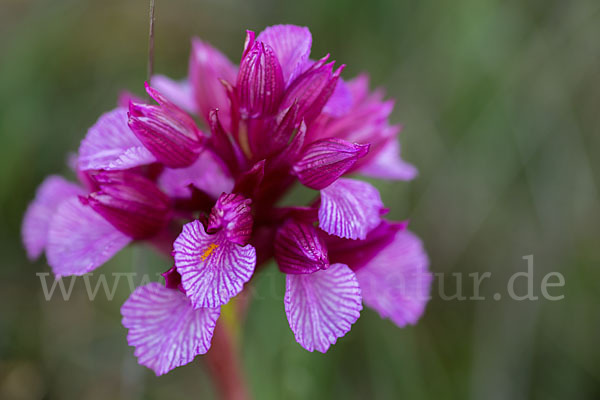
(500, 102)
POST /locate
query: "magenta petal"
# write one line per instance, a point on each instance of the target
(340, 101)
(132, 203)
(349, 209)
(179, 93)
(111, 145)
(260, 82)
(208, 66)
(232, 216)
(165, 329)
(291, 44)
(212, 269)
(167, 131)
(324, 161)
(80, 239)
(36, 222)
(291, 152)
(312, 89)
(207, 174)
(125, 97)
(387, 164)
(249, 181)
(300, 248)
(396, 282)
(322, 306)
(172, 278)
(358, 253)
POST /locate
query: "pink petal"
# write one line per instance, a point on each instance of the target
(207, 174)
(312, 89)
(212, 269)
(359, 87)
(291, 45)
(167, 131)
(232, 216)
(260, 81)
(165, 329)
(132, 203)
(126, 96)
(110, 144)
(358, 253)
(80, 240)
(208, 66)
(179, 93)
(36, 222)
(349, 209)
(322, 306)
(387, 164)
(340, 101)
(396, 282)
(324, 161)
(249, 181)
(300, 248)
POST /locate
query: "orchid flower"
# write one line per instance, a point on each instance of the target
(201, 169)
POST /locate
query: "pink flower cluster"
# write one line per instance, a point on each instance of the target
(202, 170)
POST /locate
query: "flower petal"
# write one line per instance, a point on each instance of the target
(291, 44)
(111, 145)
(349, 209)
(340, 101)
(132, 203)
(207, 174)
(167, 131)
(312, 89)
(300, 248)
(212, 269)
(387, 164)
(208, 66)
(357, 253)
(36, 222)
(260, 81)
(165, 329)
(322, 306)
(232, 216)
(324, 161)
(80, 240)
(396, 282)
(179, 93)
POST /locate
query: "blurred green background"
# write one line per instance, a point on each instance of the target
(500, 101)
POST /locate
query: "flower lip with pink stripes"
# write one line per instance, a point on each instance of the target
(203, 171)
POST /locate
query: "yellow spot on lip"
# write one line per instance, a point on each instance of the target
(209, 251)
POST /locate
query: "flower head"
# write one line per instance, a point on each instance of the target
(148, 172)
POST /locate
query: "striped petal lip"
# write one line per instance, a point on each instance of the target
(321, 307)
(165, 329)
(213, 269)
